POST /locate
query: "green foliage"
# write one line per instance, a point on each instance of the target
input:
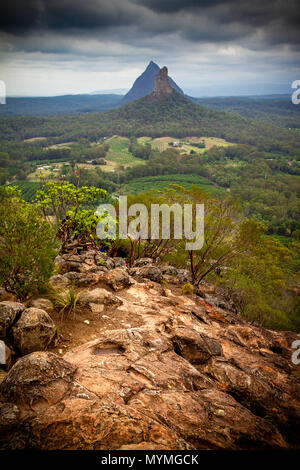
(148, 183)
(257, 272)
(28, 189)
(188, 289)
(57, 199)
(26, 245)
(66, 301)
(66, 203)
(259, 282)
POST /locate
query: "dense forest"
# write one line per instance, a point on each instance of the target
(275, 108)
(176, 116)
(260, 167)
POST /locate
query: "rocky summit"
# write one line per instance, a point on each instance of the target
(145, 83)
(162, 87)
(164, 370)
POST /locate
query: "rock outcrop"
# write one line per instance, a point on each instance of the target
(34, 330)
(144, 84)
(162, 87)
(9, 313)
(188, 375)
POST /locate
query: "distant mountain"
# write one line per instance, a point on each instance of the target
(164, 112)
(144, 84)
(58, 105)
(114, 91)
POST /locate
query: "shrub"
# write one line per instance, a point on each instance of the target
(26, 245)
(188, 289)
(66, 300)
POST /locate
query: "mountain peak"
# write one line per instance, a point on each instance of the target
(152, 65)
(145, 83)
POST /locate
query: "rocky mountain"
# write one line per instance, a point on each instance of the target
(144, 84)
(162, 88)
(144, 367)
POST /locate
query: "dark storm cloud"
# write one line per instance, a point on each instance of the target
(170, 6)
(259, 21)
(23, 16)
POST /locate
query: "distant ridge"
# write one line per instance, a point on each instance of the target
(144, 84)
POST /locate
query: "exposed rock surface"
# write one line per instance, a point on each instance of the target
(142, 262)
(162, 87)
(44, 304)
(59, 281)
(98, 296)
(146, 272)
(82, 279)
(9, 312)
(33, 331)
(118, 279)
(189, 376)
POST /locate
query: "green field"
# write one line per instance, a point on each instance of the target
(158, 183)
(119, 154)
(186, 144)
(28, 189)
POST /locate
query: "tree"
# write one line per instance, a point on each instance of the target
(26, 245)
(65, 207)
(140, 247)
(227, 234)
(261, 283)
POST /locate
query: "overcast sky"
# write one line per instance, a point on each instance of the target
(211, 47)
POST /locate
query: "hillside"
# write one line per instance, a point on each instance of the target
(277, 109)
(172, 115)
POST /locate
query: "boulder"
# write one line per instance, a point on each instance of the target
(196, 347)
(183, 276)
(44, 304)
(34, 330)
(170, 279)
(37, 377)
(67, 263)
(118, 261)
(117, 279)
(6, 356)
(98, 269)
(147, 272)
(70, 266)
(82, 279)
(98, 296)
(169, 270)
(9, 416)
(9, 312)
(142, 262)
(59, 281)
(109, 263)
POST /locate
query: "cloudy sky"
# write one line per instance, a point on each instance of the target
(211, 47)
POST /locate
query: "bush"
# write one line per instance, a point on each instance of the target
(188, 289)
(26, 245)
(66, 300)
